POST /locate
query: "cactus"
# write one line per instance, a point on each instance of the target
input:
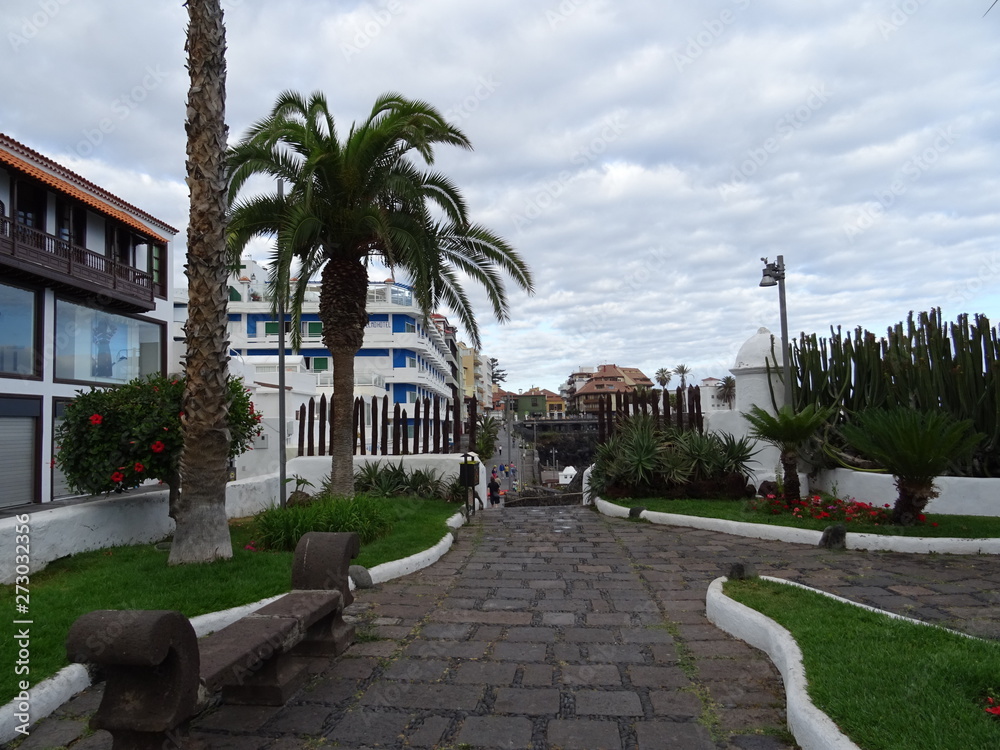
(921, 363)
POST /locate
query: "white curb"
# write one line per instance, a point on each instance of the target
(48, 695)
(871, 542)
(812, 728)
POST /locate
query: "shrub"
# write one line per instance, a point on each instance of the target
(823, 508)
(114, 439)
(281, 528)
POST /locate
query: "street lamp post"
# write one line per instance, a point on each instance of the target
(774, 275)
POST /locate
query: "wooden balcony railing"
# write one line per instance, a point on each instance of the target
(46, 255)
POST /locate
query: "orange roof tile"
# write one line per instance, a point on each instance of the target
(68, 188)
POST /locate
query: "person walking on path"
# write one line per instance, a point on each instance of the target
(494, 489)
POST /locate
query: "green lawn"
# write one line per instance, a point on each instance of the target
(888, 684)
(137, 577)
(963, 527)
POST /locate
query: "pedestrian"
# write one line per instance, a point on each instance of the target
(499, 450)
(494, 489)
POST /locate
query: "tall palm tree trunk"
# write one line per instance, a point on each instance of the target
(342, 310)
(202, 532)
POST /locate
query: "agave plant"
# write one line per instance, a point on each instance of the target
(788, 430)
(915, 447)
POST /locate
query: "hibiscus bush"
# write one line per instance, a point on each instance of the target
(114, 439)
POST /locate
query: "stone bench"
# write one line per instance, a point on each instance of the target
(158, 674)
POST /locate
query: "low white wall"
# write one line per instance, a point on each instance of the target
(140, 518)
(959, 495)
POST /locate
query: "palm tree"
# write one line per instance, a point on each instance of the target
(663, 376)
(727, 390)
(355, 200)
(915, 447)
(788, 430)
(202, 533)
(683, 371)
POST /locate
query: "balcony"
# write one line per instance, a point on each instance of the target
(31, 253)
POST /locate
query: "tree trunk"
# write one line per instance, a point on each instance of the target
(343, 295)
(202, 533)
(790, 467)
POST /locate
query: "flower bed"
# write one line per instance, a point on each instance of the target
(826, 508)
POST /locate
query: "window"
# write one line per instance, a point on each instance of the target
(96, 346)
(234, 296)
(271, 327)
(320, 364)
(71, 222)
(402, 296)
(313, 328)
(157, 258)
(31, 201)
(377, 295)
(411, 361)
(18, 332)
(409, 327)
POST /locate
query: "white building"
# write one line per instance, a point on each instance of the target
(85, 300)
(404, 355)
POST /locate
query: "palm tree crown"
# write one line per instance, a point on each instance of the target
(360, 199)
(663, 376)
(682, 371)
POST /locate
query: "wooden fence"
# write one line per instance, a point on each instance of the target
(685, 415)
(381, 432)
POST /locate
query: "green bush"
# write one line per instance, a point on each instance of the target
(114, 439)
(281, 528)
(645, 459)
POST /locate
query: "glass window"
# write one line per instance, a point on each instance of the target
(401, 296)
(314, 328)
(409, 327)
(94, 345)
(320, 364)
(17, 331)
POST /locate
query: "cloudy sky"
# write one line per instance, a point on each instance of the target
(642, 156)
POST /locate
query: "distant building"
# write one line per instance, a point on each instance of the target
(539, 403)
(607, 379)
(85, 301)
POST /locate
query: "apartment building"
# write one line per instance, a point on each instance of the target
(85, 300)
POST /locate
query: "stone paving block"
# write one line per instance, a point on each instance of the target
(748, 719)
(83, 704)
(452, 632)
(657, 677)
(583, 734)
(416, 670)
(441, 649)
(428, 733)
(531, 634)
(247, 718)
(433, 697)
(99, 740)
(330, 690)
(485, 673)
(507, 593)
(730, 694)
(507, 651)
(547, 584)
(484, 618)
(613, 619)
(591, 674)
(588, 635)
(663, 654)
(299, 719)
(487, 633)
(721, 649)
(495, 732)
(756, 742)
(53, 733)
(672, 735)
(607, 703)
(373, 648)
(366, 727)
(610, 652)
(677, 704)
(529, 701)
(536, 675)
(506, 605)
(205, 741)
(558, 618)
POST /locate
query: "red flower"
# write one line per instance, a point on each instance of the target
(117, 476)
(96, 419)
(157, 447)
(995, 710)
(139, 468)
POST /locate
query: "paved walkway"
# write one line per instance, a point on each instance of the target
(560, 628)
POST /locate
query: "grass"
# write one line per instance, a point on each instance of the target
(888, 684)
(138, 577)
(962, 527)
